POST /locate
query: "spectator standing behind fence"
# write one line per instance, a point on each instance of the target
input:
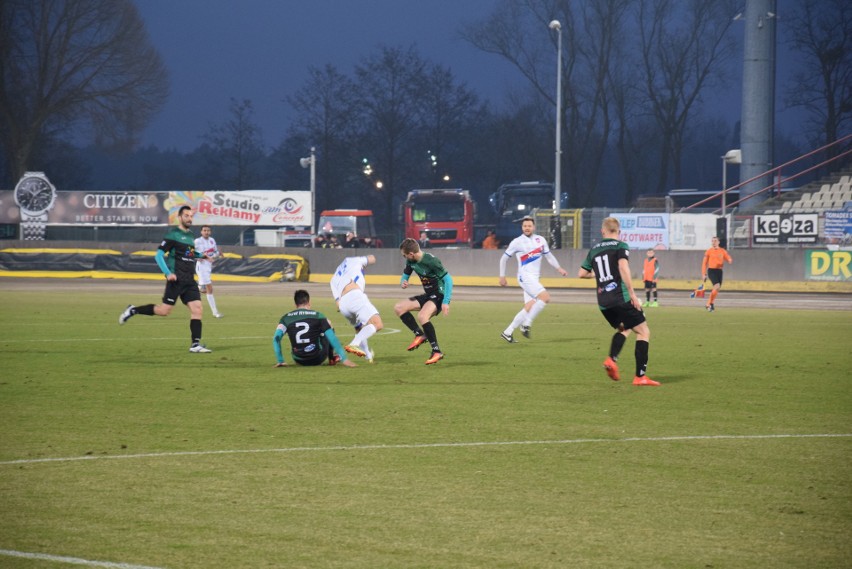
(711, 268)
(490, 241)
(351, 241)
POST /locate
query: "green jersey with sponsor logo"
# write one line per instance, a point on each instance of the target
(179, 247)
(306, 329)
(432, 275)
(603, 261)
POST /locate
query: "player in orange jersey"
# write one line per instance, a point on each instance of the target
(711, 268)
(650, 270)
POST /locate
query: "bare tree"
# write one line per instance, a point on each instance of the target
(523, 139)
(388, 101)
(635, 135)
(822, 31)
(518, 32)
(82, 63)
(592, 110)
(449, 109)
(683, 46)
(326, 116)
(236, 147)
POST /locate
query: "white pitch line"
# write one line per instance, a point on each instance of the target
(421, 446)
(383, 332)
(73, 560)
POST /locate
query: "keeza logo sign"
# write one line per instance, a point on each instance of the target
(787, 228)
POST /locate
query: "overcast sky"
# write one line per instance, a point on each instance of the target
(261, 50)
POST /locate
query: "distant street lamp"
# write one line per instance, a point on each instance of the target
(731, 157)
(311, 162)
(556, 229)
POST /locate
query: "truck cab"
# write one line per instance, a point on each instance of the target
(446, 217)
(511, 202)
(337, 223)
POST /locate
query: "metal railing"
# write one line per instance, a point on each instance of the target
(778, 179)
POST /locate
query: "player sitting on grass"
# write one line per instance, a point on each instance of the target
(312, 339)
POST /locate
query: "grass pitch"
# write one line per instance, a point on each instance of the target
(119, 446)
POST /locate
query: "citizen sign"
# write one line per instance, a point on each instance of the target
(120, 201)
(787, 228)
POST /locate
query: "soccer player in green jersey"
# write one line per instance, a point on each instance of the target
(608, 263)
(176, 258)
(437, 292)
(311, 336)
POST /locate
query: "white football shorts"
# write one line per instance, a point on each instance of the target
(356, 307)
(204, 270)
(531, 287)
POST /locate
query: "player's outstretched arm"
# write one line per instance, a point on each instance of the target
(276, 346)
(338, 349)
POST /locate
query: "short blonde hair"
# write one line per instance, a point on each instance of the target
(611, 225)
(409, 245)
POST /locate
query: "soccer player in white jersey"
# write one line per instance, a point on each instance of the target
(347, 287)
(530, 248)
(204, 267)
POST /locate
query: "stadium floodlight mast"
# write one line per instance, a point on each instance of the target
(556, 230)
(734, 156)
(311, 162)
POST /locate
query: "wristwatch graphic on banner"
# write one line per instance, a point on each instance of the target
(35, 196)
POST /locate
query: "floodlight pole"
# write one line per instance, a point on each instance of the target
(724, 183)
(311, 162)
(313, 194)
(556, 229)
(730, 157)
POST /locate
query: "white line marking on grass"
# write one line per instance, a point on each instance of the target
(73, 560)
(422, 446)
(383, 332)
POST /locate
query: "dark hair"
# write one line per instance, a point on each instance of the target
(207, 226)
(301, 297)
(182, 208)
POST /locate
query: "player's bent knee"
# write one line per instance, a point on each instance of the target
(163, 309)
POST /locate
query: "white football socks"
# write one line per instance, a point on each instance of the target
(363, 335)
(212, 302)
(537, 307)
(516, 321)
